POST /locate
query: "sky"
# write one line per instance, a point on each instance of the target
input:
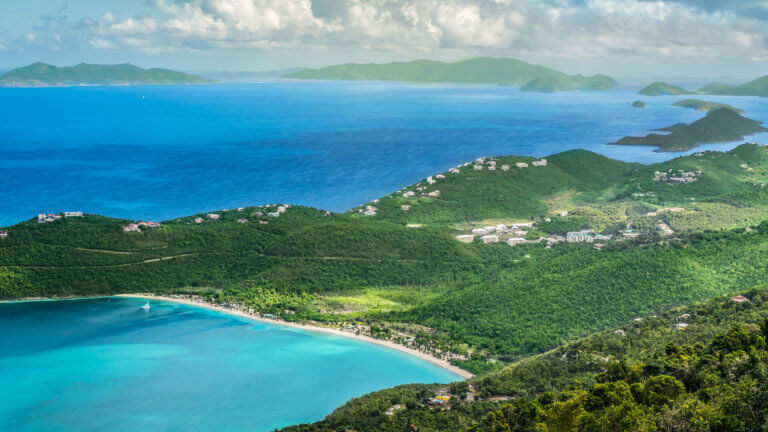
(622, 38)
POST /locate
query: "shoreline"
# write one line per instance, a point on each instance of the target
(333, 331)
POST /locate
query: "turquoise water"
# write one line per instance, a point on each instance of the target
(160, 152)
(107, 365)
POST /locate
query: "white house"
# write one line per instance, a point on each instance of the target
(542, 162)
(505, 167)
(479, 231)
(477, 167)
(522, 165)
(465, 238)
(3, 234)
(405, 207)
(73, 214)
(490, 239)
(514, 241)
(212, 216)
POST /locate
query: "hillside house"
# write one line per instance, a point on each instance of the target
(73, 214)
(281, 209)
(241, 209)
(480, 161)
(621, 333)
(542, 162)
(440, 176)
(369, 213)
(258, 214)
(505, 167)
(521, 165)
(148, 224)
(131, 228)
(492, 168)
(273, 214)
(465, 238)
(434, 194)
(242, 221)
(198, 220)
(45, 218)
(454, 171)
(430, 180)
(491, 238)
(409, 194)
(681, 326)
(405, 207)
(479, 232)
(500, 228)
(3, 234)
(514, 241)
(737, 299)
(477, 167)
(213, 216)
(492, 163)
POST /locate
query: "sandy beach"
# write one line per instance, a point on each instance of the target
(389, 344)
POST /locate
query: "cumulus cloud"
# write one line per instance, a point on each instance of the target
(555, 28)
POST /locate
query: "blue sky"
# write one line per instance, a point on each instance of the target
(706, 38)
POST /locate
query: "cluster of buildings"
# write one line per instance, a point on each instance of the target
(52, 217)
(585, 236)
(136, 227)
(679, 176)
(513, 234)
(490, 164)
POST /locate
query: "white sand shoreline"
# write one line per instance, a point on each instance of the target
(389, 344)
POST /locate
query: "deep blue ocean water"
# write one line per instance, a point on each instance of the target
(157, 152)
(107, 365)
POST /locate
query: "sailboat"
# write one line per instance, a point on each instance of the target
(146, 306)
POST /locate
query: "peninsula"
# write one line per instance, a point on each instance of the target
(720, 125)
(45, 75)
(481, 70)
(758, 87)
(702, 105)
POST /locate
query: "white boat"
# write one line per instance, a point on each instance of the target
(146, 306)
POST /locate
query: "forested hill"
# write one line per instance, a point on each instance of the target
(42, 74)
(481, 70)
(695, 368)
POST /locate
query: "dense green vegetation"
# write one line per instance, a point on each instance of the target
(702, 105)
(41, 74)
(663, 89)
(481, 70)
(758, 87)
(647, 375)
(720, 125)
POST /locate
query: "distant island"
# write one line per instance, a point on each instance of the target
(481, 70)
(720, 125)
(663, 89)
(758, 87)
(45, 75)
(702, 105)
(639, 104)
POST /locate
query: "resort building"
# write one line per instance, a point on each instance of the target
(479, 231)
(505, 167)
(73, 214)
(487, 239)
(500, 228)
(45, 218)
(579, 236)
(521, 165)
(465, 238)
(542, 162)
(514, 241)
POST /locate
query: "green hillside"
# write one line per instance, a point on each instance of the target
(41, 74)
(662, 89)
(645, 375)
(720, 125)
(639, 104)
(481, 70)
(758, 87)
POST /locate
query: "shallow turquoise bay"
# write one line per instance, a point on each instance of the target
(107, 365)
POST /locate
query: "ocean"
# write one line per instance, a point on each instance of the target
(107, 365)
(158, 152)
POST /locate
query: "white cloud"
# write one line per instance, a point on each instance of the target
(402, 28)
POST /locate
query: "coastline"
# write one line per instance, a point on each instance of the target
(333, 331)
